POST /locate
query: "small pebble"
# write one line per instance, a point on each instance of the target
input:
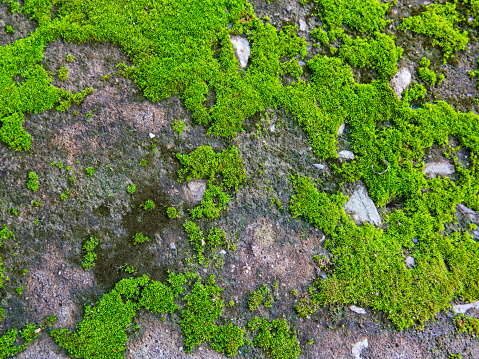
(152, 135)
(172, 245)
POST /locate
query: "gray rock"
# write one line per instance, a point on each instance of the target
(172, 245)
(400, 81)
(347, 155)
(272, 127)
(301, 63)
(302, 25)
(319, 166)
(358, 348)
(470, 19)
(341, 129)
(465, 210)
(362, 207)
(410, 262)
(357, 310)
(289, 8)
(462, 308)
(223, 252)
(195, 190)
(241, 48)
(433, 169)
(323, 276)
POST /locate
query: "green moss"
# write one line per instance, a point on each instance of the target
(70, 58)
(140, 238)
(32, 183)
(13, 6)
(171, 212)
(426, 74)
(214, 201)
(9, 29)
(203, 306)
(63, 73)
(148, 205)
(276, 338)
(256, 298)
(377, 51)
(438, 21)
(179, 126)
(89, 171)
(131, 188)
(89, 256)
(467, 325)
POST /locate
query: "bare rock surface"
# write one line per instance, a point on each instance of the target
(347, 155)
(433, 169)
(400, 81)
(195, 190)
(358, 348)
(362, 207)
(357, 310)
(462, 308)
(241, 48)
(410, 262)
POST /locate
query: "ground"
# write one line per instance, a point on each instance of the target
(111, 131)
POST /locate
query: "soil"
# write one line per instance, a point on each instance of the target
(271, 245)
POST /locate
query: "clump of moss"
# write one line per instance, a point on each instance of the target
(63, 73)
(9, 342)
(203, 162)
(179, 126)
(13, 6)
(438, 21)
(172, 212)
(90, 171)
(32, 183)
(148, 205)
(203, 306)
(140, 238)
(131, 188)
(467, 325)
(257, 297)
(426, 74)
(89, 256)
(276, 338)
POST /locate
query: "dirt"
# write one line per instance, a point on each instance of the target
(271, 245)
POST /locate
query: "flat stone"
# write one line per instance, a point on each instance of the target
(301, 63)
(462, 308)
(362, 207)
(152, 135)
(289, 8)
(357, 310)
(272, 128)
(323, 276)
(465, 210)
(400, 81)
(341, 129)
(410, 262)
(319, 166)
(433, 169)
(241, 48)
(196, 190)
(358, 348)
(172, 245)
(348, 155)
(302, 25)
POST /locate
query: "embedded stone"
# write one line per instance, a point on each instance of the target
(302, 25)
(400, 81)
(433, 169)
(410, 262)
(357, 310)
(319, 166)
(241, 48)
(462, 308)
(362, 207)
(195, 190)
(358, 348)
(341, 129)
(347, 155)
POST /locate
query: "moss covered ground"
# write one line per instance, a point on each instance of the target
(183, 48)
